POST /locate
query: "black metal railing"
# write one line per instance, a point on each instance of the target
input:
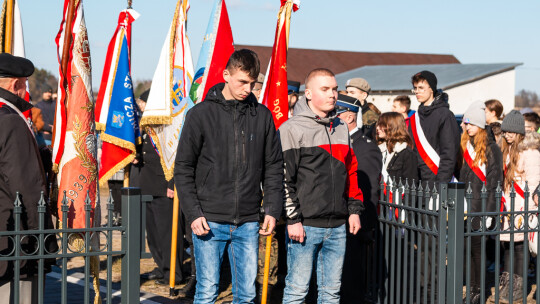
(30, 246)
(426, 240)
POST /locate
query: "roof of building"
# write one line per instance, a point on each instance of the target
(301, 61)
(398, 77)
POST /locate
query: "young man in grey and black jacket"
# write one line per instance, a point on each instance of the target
(321, 190)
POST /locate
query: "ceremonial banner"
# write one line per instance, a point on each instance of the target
(275, 94)
(168, 101)
(215, 52)
(116, 114)
(74, 139)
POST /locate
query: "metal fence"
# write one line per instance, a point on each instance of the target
(132, 247)
(422, 251)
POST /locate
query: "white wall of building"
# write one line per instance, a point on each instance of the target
(500, 86)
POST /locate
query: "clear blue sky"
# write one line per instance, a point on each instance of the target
(479, 31)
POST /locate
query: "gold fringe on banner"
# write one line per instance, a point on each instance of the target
(103, 180)
(156, 120)
(117, 141)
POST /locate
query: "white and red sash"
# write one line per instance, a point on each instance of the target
(469, 155)
(426, 151)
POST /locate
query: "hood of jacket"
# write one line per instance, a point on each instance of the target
(440, 101)
(215, 94)
(530, 141)
(302, 109)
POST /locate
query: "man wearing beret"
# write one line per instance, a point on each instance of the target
(436, 142)
(359, 88)
(369, 158)
(21, 171)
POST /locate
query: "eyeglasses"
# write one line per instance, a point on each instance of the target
(418, 89)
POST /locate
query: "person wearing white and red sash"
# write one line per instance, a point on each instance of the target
(436, 138)
(522, 164)
(482, 164)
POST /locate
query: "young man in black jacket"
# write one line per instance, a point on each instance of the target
(436, 138)
(228, 148)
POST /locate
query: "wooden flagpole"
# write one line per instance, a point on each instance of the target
(9, 27)
(67, 43)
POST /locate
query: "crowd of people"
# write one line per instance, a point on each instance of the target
(319, 173)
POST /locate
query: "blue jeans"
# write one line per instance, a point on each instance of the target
(242, 243)
(326, 247)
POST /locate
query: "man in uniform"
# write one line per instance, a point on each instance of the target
(359, 257)
(21, 172)
(159, 212)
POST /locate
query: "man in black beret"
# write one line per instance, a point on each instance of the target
(21, 162)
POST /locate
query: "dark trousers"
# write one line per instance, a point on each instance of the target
(159, 233)
(518, 257)
(115, 186)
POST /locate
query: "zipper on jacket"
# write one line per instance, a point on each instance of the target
(332, 173)
(243, 147)
(235, 127)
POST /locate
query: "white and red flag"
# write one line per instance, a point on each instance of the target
(168, 101)
(116, 114)
(74, 139)
(216, 49)
(275, 89)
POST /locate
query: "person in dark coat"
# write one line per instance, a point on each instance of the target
(48, 109)
(151, 179)
(441, 133)
(21, 172)
(358, 269)
(482, 165)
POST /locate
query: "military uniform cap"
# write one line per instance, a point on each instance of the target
(293, 86)
(347, 103)
(14, 66)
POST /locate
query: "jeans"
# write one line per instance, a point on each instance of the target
(324, 246)
(242, 243)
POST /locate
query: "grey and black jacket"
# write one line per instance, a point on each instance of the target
(227, 150)
(321, 187)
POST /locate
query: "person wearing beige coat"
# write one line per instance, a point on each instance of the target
(522, 167)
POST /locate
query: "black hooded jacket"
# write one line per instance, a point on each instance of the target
(494, 176)
(442, 132)
(227, 150)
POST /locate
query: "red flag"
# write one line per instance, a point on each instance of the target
(74, 140)
(215, 52)
(275, 95)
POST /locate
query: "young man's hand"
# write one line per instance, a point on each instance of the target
(354, 223)
(200, 226)
(268, 226)
(296, 232)
(170, 193)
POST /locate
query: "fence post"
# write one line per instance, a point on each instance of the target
(455, 202)
(131, 214)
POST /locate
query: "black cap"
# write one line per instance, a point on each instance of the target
(347, 103)
(294, 86)
(144, 95)
(13, 66)
(430, 78)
